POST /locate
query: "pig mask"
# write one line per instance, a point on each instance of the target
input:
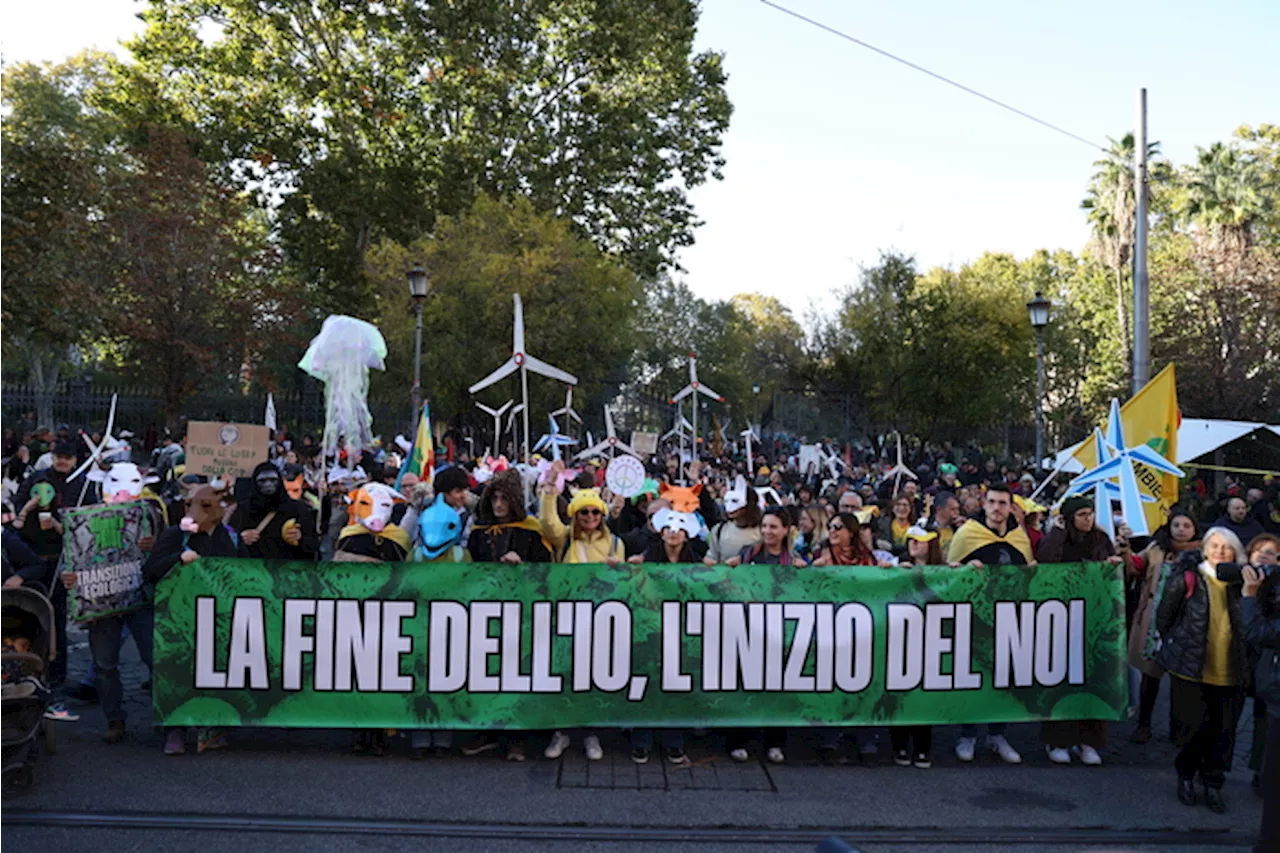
(204, 511)
(122, 482)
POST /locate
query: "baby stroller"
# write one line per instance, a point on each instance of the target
(29, 645)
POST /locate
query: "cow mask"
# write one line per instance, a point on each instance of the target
(371, 505)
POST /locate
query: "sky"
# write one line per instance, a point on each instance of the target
(835, 153)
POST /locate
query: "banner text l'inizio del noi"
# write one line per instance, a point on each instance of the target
(243, 642)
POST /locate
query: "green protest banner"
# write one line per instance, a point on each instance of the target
(100, 544)
(424, 645)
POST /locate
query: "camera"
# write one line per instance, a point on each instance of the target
(1233, 572)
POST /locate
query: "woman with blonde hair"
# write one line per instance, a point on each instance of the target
(1202, 648)
(811, 530)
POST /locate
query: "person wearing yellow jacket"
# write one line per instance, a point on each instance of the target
(587, 539)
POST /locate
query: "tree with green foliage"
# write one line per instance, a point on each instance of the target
(579, 309)
(366, 121)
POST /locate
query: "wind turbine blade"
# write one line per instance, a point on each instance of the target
(1105, 471)
(541, 367)
(593, 450)
(703, 389)
(608, 422)
(626, 448)
(682, 393)
(111, 422)
(517, 344)
(1115, 426)
(1151, 459)
(1131, 502)
(1102, 510)
(503, 408)
(574, 415)
(503, 372)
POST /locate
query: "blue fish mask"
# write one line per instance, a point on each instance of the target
(439, 528)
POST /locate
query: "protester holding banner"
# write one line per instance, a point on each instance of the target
(741, 526)
(503, 531)
(1075, 538)
(1263, 551)
(587, 539)
(1202, 648)
(812, 530)
(913, 745)
(996, 539)
(200, 533)
(1179, 535)
(272, 525)
(893, 528)
(844, 545)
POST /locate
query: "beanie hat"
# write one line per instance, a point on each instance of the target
(1074, 504)
(586, 498)
(448, 479)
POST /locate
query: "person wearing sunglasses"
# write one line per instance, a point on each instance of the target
(586, 539)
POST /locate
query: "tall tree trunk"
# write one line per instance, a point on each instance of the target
(43, 371)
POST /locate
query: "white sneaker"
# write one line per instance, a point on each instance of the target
(739, 755)
(559, 743)
(964, 748)
(1088, 755)
(1001, 747)
(591, 745)
(1057, 755)
(775, 756)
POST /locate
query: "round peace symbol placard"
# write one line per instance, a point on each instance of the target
(625, 476)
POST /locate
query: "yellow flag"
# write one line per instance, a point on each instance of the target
(1149, 417)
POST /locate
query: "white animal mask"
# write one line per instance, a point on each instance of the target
(371, 505)
(123, 481)
(669, 519)
(736, 498)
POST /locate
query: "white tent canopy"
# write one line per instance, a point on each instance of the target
(1196, 437)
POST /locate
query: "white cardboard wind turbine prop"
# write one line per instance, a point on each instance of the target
(567, 410)
(522, 361)
(750, 435)
(96, 450)
(554, 440)
(693, 389)
(611, 442)
(1116, 460)
(899, 470)
(511, 428)
(496, 414)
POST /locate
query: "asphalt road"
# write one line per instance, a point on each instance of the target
(300, 790)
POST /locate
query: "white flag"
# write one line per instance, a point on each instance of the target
(270, 418)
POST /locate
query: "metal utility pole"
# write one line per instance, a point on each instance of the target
(1141, 293)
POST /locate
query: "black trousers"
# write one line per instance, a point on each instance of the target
(1204, 718)
(1269, 834)
(918, 739)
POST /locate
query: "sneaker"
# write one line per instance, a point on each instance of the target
(1058, 755)
(515, 752)
(175, 742)
(591, 746)
(60, 712)
(559, 743)
(1001, 747)
(675, 755)
(212, 738)
(114, 732)
(775, 755)
(479, 744)
(739, 755)
(640, 755)
(902, 757)
(923, 760)
(964, 748)
(1087, 754)
(84, 693)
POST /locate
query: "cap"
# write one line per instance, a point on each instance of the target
(64, 448)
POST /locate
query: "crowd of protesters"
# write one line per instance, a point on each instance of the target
(1217, 621)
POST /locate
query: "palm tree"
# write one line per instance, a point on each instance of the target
(1112, 207)
(1225, 197)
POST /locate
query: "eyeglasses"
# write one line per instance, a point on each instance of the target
(589, 511)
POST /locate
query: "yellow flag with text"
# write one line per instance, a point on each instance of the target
(1150, 417)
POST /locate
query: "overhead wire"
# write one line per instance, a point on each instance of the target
(830, 29)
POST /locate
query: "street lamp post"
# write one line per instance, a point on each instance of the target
(418, 287)
(1038, 309)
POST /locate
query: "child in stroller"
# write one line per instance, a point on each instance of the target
(28, 645)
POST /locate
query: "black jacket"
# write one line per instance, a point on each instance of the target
(1183, 622)
(173, 541)
(642, 539)
(1263, 635)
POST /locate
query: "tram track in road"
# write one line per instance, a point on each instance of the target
(1066, 836)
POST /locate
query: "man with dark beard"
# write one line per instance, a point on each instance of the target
(272, 525)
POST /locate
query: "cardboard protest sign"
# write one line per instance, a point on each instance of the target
(100, 544)
(644, 443)
(225, 451)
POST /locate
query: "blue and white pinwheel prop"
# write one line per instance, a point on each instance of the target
(1116, 461)
(554, 440)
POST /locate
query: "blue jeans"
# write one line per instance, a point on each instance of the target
(106, 638)
(971, 729)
